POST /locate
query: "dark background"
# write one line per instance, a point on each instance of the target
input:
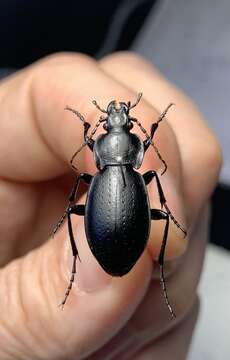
(30, 30)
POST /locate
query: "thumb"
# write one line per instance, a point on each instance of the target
(32, 324)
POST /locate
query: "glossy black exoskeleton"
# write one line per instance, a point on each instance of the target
(117, 212)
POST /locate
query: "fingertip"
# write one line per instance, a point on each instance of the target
(101, 309)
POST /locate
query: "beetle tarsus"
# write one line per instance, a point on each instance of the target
(71, 281)
(163, 284)
(77, 209)
(58, 225)
(174, 220)
(163, 215)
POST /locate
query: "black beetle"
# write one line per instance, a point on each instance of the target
(117, 212)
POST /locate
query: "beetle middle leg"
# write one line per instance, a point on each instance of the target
(148, 177)
(72, 197)
(162, 215)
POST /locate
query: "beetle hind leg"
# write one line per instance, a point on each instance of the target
(163, 215)
(78, 210)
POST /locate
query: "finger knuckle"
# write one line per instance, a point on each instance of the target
(123, 57)
(65, 58)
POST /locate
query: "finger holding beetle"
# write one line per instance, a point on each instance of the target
(44, 138)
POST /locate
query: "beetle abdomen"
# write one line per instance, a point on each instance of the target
(117, 220)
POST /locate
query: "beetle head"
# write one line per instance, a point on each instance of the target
(118, 116)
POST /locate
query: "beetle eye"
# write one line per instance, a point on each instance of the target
(111, 107)
(105, 126)
(130, 125)
(124, 107)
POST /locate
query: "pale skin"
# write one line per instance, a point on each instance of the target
(104, 317)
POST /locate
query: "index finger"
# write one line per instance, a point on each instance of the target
(37, 136)
(199, 149)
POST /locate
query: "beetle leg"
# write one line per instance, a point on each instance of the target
(81, 117)
(78, 210)
(163, 215)
(148, 142)
(154, 127)
(149, 139)
(148, 176)
(88, 141)
(72, 197)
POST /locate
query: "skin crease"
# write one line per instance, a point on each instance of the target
(104, 318)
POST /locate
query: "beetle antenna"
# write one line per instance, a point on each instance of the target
(81, 117)
(96, 127)
(136, 102)
(98, 107)
(162, 115)
(102, 119)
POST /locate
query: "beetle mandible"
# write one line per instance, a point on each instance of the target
(117, 212)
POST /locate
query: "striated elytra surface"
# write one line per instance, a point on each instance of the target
(117, 218)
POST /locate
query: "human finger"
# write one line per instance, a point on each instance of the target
(197, 144)
(41, 268)
(43, 134)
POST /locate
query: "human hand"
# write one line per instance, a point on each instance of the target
(104, 317)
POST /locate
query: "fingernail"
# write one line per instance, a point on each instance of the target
(90, 276)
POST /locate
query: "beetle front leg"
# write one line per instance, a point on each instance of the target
(149, 140)
(81, 117)
(154, 126)
(163, 215)
(88, 141)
